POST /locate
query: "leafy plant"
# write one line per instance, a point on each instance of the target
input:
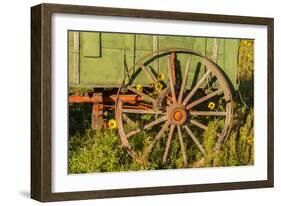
(102, 151)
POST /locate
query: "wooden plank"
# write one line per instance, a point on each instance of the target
(90, 43)
(197, 69)
(192, 92)
(142, 111)
(149, 125)
(215, 50)
(195, 140)
(170, 72)
(207, 113)
(168, 143)
(155, 48)
(183, 150)
(230, 58)
(145, 96)
(149, 75)
(76, 61)
(198, 124)
(156, 139)
(37, 165)
(106, 99)
(184, 81)
(202, 99)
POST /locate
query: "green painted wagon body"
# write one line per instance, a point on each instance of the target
(104, 58)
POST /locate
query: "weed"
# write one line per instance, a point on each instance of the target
(101, 150)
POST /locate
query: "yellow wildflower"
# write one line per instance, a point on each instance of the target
(158, 87)
(160, 77)
(250, 141)
(112, 124)
(211, 105)
(249, 43)
(139, 87)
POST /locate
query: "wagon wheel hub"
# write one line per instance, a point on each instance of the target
(177, 114)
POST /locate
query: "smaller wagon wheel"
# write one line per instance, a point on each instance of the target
(167, 107)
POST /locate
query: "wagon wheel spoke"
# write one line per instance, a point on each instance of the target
(142, 111)
(184, 80)
(150, 76)
(168, 143)
(198, 124)
(156, 139)
(195, 139)
(118, 115)
(183, 151)
(202, 99)
(147, 126)
(170, 105)
(145, 96)
(207, 113)
(171, 79)
(192, 92)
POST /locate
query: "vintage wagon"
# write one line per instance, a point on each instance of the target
(168, 84)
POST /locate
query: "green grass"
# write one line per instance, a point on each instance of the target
(101, 150)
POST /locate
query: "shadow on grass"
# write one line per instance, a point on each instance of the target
(79, 117)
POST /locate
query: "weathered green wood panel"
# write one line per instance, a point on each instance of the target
(197, 68)
(103, 71)
(143, 46)
(221, 52)
(90, 42)
(144, 42)
(116, 41)
(70, 59)
(175, 42)
(106, 57)
(231, 59)
(142, 78)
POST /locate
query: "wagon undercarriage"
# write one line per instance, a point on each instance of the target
(165, 106)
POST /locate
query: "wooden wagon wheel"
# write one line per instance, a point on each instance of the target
(174, 109)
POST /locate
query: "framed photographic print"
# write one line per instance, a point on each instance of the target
(132, 102)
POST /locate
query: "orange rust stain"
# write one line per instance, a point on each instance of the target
(98, 99)
(178, 115)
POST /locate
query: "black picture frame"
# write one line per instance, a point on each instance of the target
(41, 96)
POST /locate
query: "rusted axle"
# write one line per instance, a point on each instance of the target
(132, 99)
(102, 102)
